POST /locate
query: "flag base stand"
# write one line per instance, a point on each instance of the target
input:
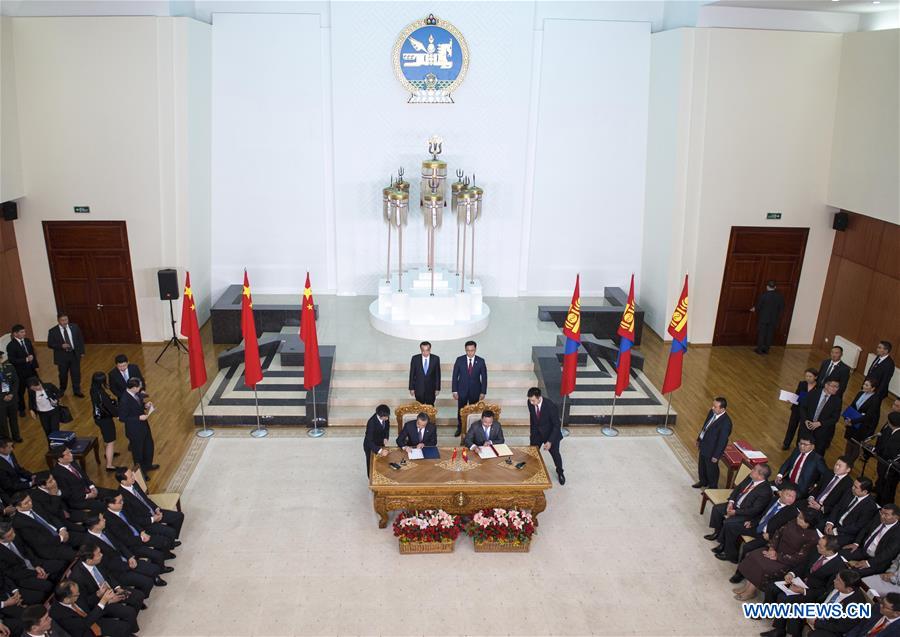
(315, 432)
(205, 433)
(259, 433)
(664, 429)
(610, 432)
(564, 431)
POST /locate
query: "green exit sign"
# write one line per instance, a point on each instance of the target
(83, 209)
(773, 215)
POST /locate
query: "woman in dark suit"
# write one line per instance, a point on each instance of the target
(788, 548)
(868, 403)
(803, 388)
(104, 410)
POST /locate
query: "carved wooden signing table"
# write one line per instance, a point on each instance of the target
(459, 487)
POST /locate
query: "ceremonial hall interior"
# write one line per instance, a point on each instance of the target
(308, 306)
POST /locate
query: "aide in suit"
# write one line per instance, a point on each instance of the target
(888, 448)
(847, 590)
(67, 343)
(43, 401)
(852, 514)
(9, 400)
(545, 431)
(378, 430)
(876, 546)
(37, 622)
(132, 412)
(91, 575)
(12, 476)
(747, 500)
(761, 528)
(71, 610)
(868, 404)
(711, 441)
(768, 310)
(468, 381)
(485, 433)
(145, 511)
(819, 413)
(881, 371)
(47, 537)
(418, 433)
(804, 467)
(425, 375)
(831, 489)
(118, 376)
(21, 354)
(835, 368)
(883, 621)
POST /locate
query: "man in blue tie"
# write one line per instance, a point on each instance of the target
(469, 381)
(153, 547)
(780, 511)
(847, 590)
(13, 477)
(425, 375)
(47, 536)
(93, 578)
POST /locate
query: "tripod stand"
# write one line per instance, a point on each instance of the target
(174, 340)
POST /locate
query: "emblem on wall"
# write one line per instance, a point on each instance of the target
(430, 59)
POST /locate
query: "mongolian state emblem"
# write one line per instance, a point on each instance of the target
(430, 58)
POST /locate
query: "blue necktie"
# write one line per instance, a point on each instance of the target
(97, 576)
(12, 547)
(425, 365)
(46, 524)
(125, 520)
(833, 597)
(768, 516)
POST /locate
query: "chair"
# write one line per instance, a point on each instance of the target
(410, 411)
(170, 501)
(719, 496)
(472, 413)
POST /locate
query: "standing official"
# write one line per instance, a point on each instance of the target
(711, 441)
(819, 413)
(119, 375)
(833, 368)
(882, 369)
(378, 430)
(425, 375)
(21, 354)
(469, 381)
(545, 428)
(9, 402)
(67, 343)
(43, 401)
(133, 413)
(768, 310)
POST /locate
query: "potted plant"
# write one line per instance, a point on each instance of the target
(431, 531)
(501, 530)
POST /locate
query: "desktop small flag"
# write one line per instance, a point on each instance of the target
(572, 332)
(191, 330)
(678, 330)
(312, 370)
(626, 341)
(252, 366)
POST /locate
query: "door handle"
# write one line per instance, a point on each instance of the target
(99, 307)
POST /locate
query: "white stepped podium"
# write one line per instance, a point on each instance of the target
(416, 314)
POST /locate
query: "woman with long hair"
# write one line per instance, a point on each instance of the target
(105, 409)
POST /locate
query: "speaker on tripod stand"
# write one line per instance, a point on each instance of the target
(168, 291)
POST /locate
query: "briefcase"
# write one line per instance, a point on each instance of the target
(62, 439)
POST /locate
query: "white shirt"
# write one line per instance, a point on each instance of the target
(43, 402)
(67, 333)
(90, 569)
(487, 433)
(426, 361)
(840, 596)
(827, 492)
(878, 536)
(852, 506)
(828, 558)
(471, 361)
(421, 431)
(749, 489)
(709, 424)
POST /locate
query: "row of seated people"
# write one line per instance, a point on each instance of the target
(96, 553)
(830, 534)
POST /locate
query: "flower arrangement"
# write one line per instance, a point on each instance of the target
(427, 526)
(504, 526)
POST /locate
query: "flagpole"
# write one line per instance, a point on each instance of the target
(665, 430)
(259, 432)
(609, 430)
(206, 432)
(563, 429)
(315, 432)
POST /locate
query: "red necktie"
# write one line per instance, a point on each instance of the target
(798, 464)
(72, 468)
(818, 564)
(537, 413)
(877, 628)
(470, 367)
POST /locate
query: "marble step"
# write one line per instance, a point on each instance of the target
(446, 366)
(499, 379)
(372, 395)
(356, 416)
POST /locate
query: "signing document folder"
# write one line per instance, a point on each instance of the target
(494, 451)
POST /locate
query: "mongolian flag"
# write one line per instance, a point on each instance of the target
(572, 332)
(252, 366)
(191, 330)
(678, 330)
(312, 370)
(626, 341)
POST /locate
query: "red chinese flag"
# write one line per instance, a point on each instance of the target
(626, 341)
(678, 330)
(191, 330)
(312, 370)
(252, 366)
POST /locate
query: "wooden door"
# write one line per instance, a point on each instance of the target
(757, 255)
(90, 265)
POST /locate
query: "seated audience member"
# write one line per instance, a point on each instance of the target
(417, 434)
(11, 607)
(485, 433)
(887, 448)
(853, 513)
(886, 582)
(71, 610)
(876, 546)
(77, 488)
(104, 410)
(804, 467)
(787, 549)
(883, 621)
(47, 496)
(832, 488)
(847, 590)
(153, 547)
(805, 386)
(119, 376)
(93, 578)
(868, 404)
(121, 562)
(43, 533)
(31, 574)
(782, 510)
(43, 401)
(141, 509)
(819, 414)
(13, 477)
(747, 500)
(37, 623)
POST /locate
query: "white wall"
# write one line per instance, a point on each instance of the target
(865, 158)
(11, 186)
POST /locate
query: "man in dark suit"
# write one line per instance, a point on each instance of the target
(21, 354)
(71, 610)
(847, 590)
(141, 509)
(804, 467)
(887, 448)
(156, 547)
(545, 430)
(93, 579)
(876, 546)
(835, 368)
(711, 441)
(132, 412)
(121, 562)
(768, 310)
(747, 500)
(425, 375)
(13, 477)
(486, 433)
(881, 371)
(781, 510)
(46, 536)
(468, 382)
(831, 489)
(67, 343)
(819, 413)
(77, 489)
(852, 514)
(37, 623)
(43, 401)
(378, 429)
(417, 434)
(33, 575)
(11, 607)
(9, 400)
(883, 621)
(47, 495)
(118, 376)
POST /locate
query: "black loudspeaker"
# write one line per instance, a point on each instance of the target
(841, 221)
(168, 284)
(10, 210)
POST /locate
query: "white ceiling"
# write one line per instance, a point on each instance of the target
(843, 6)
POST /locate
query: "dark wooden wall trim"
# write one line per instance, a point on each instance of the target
(861, 298)
(13, 301)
